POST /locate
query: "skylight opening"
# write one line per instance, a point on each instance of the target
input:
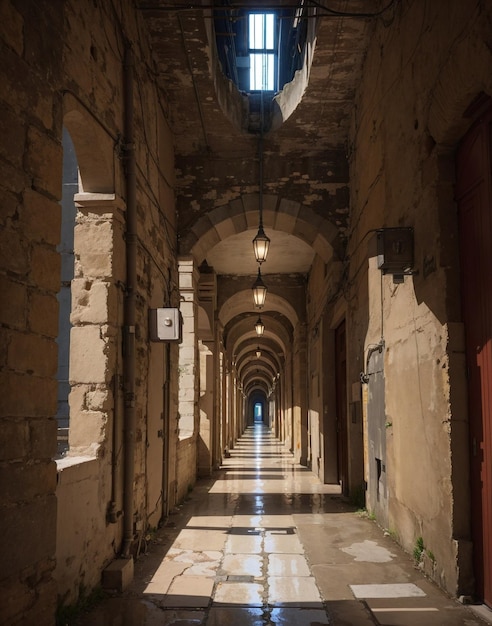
(262, 52)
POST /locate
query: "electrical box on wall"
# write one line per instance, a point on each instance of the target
(165, 324)
(395, 250)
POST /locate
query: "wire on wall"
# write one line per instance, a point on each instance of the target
(327, 12)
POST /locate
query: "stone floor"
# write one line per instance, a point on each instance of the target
(266, 544)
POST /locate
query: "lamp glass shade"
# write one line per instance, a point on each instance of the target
(259, 327)
(258, 352)
(261, 243)
(259, 291)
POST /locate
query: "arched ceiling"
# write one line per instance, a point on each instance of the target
(305, 172)
(242, 330)
(234, 255)
(241, 301)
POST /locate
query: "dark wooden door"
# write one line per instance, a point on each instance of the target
(341, 398)
(474, 198)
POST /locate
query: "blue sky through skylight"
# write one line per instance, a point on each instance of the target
(262, 47)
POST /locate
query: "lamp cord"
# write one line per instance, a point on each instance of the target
(260, 159)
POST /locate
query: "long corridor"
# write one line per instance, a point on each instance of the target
(265, 543)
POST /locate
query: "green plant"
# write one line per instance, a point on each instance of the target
(418, 549)
(365, 513)
(66, 614)
(431, 556)
(151, 533)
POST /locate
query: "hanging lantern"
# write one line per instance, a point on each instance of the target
(261, 243)
(259, 291)
(259, 327)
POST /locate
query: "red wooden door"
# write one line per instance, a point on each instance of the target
(474, 196)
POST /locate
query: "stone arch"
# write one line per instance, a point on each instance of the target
(462, 79)
(247, 362)
(251, 337)
(243, 328)
(99, 269)
(278, 214)
(259, 380)
(94, 147)
(241, 301)
(205, 329)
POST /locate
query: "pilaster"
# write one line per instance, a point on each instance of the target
(189, 371)
(300, 404)
(99, 274)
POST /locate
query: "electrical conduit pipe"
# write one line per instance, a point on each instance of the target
(129, 306)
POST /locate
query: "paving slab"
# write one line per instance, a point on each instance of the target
(227, 616)
(243, 565)
(299, 617)
(264, 543)
(294, 591)
(239, 593)
(288, 565)
(188, 592)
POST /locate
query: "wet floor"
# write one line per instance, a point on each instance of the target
(266, 544)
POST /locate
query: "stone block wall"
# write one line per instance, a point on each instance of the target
(186, 467)
(62, 65)
(30, 188)
(81, 528)
(420, 74)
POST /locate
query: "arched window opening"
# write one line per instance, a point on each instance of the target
(70, 187)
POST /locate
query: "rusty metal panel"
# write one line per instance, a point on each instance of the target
(377, 492)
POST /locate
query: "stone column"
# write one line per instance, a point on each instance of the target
(229, 410)
(300, 426)
(217, 399)
(287, 429)
(99, 274)
(223, 403)
(239, 408)
(205, 442)
(189, 374)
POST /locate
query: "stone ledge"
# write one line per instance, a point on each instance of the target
(80, 466)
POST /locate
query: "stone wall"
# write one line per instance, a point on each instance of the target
(186, 467)
(81, 530)
(325, 311)
(64, 65)
(402, 129)
(30, 188)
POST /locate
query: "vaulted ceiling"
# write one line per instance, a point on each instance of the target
(304, 175)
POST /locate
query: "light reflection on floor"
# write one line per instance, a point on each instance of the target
(267, 544)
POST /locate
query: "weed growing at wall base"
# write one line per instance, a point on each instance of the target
(67, 614)
(418, 549)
